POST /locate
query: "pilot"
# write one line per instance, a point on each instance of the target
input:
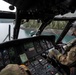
(14, 69)
(67, 58)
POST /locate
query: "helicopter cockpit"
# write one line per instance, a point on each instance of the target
(33, 51)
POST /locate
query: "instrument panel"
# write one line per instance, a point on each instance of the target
(37, 47)
(28, 51)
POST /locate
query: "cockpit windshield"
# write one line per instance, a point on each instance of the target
(56, 28)
(29, 28)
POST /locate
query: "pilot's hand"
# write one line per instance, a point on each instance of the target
(54, 53)
(65, 59)
(70, 44)
(71, 55)
(14, 69)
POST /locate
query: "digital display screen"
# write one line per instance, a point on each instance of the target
(37, 46)
(23, 57)
(30, 50)
(43, 44)
(11, 52)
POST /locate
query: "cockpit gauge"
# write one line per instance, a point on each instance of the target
(43, 44)
(30, 50)
(49, 44)
(0, 56)
(37, 46)
(7, 62)
(1, 63)
(5, 54)
(1, 60)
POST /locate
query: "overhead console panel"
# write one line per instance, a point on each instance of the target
(25, 4)
(44, 7)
